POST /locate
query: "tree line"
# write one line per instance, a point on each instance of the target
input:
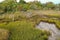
(12, 5)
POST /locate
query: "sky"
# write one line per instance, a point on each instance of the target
(42, 1)
(54, 1)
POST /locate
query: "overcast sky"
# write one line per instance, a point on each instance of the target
(54, 1)
(43, 1)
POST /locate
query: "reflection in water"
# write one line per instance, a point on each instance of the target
(55, 32)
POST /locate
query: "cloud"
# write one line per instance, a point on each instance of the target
(29, 0)
(1, 0)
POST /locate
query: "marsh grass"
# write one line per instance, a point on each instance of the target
(22, 28)
(37, 19)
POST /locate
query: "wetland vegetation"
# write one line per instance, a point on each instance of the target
(21, 20)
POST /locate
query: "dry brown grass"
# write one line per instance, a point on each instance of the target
(46, 12)
(4, 34)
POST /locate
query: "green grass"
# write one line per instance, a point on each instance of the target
(24, 30)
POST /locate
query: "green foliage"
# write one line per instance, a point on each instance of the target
(35, 5)
(8, 6)
(22, 1)
(24, 7)
(12, 5)
(50, 5)
(24, 30)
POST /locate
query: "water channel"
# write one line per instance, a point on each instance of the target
(55, 32)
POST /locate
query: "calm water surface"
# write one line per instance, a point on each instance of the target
(55, 32)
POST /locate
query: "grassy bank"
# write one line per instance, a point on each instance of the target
(24, 30)
(37, 19)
